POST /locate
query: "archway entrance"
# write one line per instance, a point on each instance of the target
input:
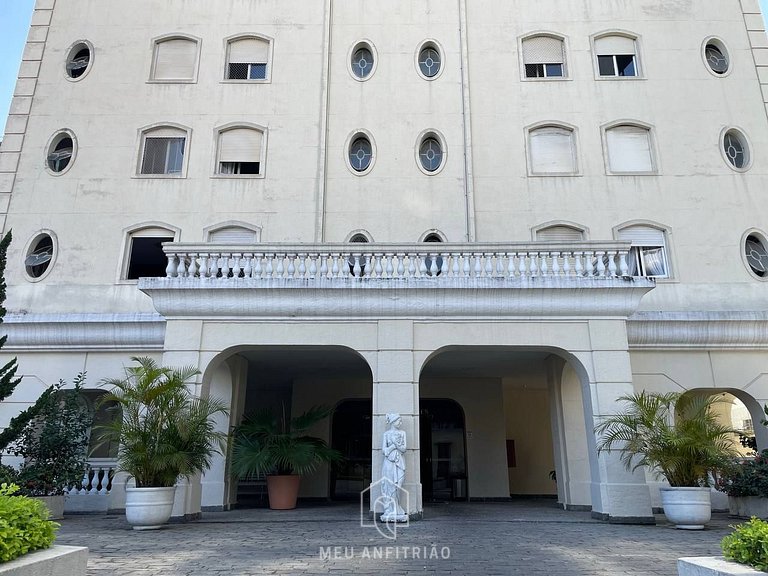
(502, 422)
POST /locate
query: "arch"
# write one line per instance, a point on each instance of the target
(552, 149)
(543, 56)
(249, 233)
(175, 58)
(432, 232)
(616, 55)
(629, 147)
(566, 225)
(163, 150)
(151, 234)
(241, 150)
(359, 234)
(248, 58)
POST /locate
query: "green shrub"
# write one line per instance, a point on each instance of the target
(748, 544)
(24, 524)
(8, 474)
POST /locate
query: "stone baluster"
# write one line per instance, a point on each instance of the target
(389, 268)
(270, 265)
(578, 267)
(257, 265)
(203, 265)
(248, 269)
(301, 269)
(290, 265)
(356, 269)
(567, 264)
(533, 265)
(612, 264)
(280, 270)
(589, 259)
(543, 266)
(213, 265)
(433, 269)
(324, 265)
(181, 271)
(170, 269)
(466, 265)
(312, 266)
(444, 263)
(511, 269)
(556, 270)
(478, 266)
(488, 270)
(236, 265)
(378, 269)
(411, 271)
(193, 269)
(623, 266)
(600, 263)
(368, 268)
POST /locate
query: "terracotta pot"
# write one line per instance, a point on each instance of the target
(283, 491)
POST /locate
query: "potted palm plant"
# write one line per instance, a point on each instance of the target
(675, 436)
(269, 443)
(164, 432)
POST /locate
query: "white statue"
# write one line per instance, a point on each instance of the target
(393, 470)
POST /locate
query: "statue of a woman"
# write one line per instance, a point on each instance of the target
(393, 470)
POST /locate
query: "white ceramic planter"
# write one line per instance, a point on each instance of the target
(148, 508)
(687, 508)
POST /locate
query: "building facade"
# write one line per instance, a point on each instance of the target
(494, 218)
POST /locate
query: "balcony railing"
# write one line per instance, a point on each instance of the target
(401, 262)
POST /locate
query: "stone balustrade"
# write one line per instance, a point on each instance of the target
(92, 494)
(435, 261)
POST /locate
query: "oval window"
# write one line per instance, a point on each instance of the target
(716, 57)
(756, 252)
(430, 61)
(431, 154)
(78, 60)
(362, 61)
(39, 256)
(61, 152)
(360, 154)
(736, 149)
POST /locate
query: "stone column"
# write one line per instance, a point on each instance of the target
(618, 495)
(396, 389)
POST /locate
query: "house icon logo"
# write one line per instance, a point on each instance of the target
(385, 497)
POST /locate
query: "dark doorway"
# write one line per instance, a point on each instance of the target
(351, 434)
(443, 450)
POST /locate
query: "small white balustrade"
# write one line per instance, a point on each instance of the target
(92, 494)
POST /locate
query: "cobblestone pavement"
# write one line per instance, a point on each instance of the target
(526, 538)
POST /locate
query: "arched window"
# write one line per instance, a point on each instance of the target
(629, 149)
(144, 256)
(233, 234)
(175, 59)
(559, 233)
(544, 57)
(248, 58)
(552, 151)
(163, 151)
(648, 255)
(616, 56)
(240, 152)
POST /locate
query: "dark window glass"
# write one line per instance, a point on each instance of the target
(605, 64)
(147, 257)
(534, 71)
(554, 70)
(626, 65)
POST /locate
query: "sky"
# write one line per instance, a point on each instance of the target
(14, 22)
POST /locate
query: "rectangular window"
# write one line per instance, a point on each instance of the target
(616, 56)
(649, 261)
(247, 59)
(239, 167)
(544, 57)
(163, 155)
(247, 71)
(543, 70)
(147, 259)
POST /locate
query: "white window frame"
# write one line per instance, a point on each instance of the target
(575, 149)
(655, 165)
(720, 45)
(763, 237)
(57, 137)
(566, 69)
(145, 133)
(363, 43)
(436, 135)
(29, 248)
(270, 53)
(354, 135)
(638, 61)
(637, 247)
(156, 42)
(425, 44)
(150, 229)
(71, 51)
(745, 141)
(262, 160)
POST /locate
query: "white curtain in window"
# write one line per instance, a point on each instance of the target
(559, 234)
(240, 145)
(175, 59)
(552, 151)
(615, 46)
(248, 51)
(629, 149)
(543, 50)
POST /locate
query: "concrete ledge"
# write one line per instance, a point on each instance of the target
(712, 566)
(55, 561)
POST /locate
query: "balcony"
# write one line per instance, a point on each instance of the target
(383, 280)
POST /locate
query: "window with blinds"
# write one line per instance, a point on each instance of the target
(629, 150)
(247, 59)
(544, 57)
(552, 150)
(240, 152)
(559, 233)
(175, 59)
(616, 56)
(233, 235)
(648, 255)
(162, 151)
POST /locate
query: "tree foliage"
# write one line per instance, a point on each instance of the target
(163, 430)
(677, 436)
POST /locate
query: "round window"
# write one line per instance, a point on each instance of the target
(39, 256)
(756, 252)
(360, 154)
(78, 60)
(430, 61)
(61, 152)
(431, 154)
(736, 150)
(716, 57)
(362, 61)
